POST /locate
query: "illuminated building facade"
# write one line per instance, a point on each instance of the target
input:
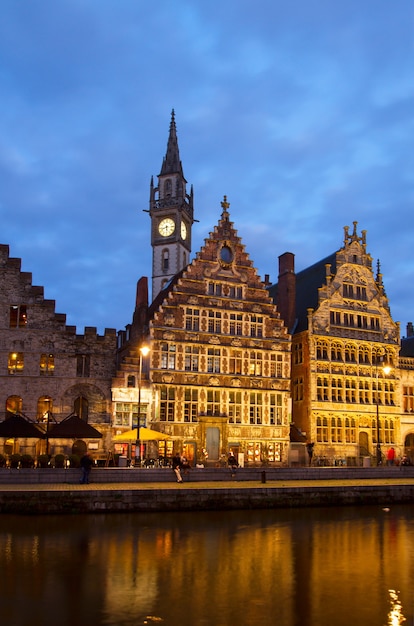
(342, 335)
(220, 357)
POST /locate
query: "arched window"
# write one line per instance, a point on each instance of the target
(44, 408)
(14, 404)
(168, 187)
(322, 350)
(165, 260)
(336, 352)
(350, 353)
(363, 354)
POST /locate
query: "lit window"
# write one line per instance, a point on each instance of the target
(16, 362)
(47, 364)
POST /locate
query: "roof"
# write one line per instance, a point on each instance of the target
(407, 346)
(308, 282)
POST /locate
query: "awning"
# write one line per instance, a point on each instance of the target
(145, 434)
(73, 427)
(18, 427)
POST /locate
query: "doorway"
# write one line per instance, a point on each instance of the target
(213, 443)
(409, 447)
(363, 444)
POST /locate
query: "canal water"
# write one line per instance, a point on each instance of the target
(350, 566)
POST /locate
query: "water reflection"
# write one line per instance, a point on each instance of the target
(290, 568)
(395, 616)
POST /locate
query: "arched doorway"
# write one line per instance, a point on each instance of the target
(409, 447)
(79, 448)
(363, 444)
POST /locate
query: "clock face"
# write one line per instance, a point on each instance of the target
(166, 227)
(183, 230)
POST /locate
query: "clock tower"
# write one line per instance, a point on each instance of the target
(171, 213)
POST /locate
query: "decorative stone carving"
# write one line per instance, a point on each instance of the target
(214, 340)
(213, 381)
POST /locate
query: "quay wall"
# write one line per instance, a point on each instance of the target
(118, 490)
(181, 498)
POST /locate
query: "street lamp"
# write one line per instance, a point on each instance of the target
(143, 351)
(386, 369)
(48, 402)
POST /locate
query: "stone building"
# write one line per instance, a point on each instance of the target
(47, 370)
(219, 364)
(342, 336)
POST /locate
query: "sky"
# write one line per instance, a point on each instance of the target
(301, 112)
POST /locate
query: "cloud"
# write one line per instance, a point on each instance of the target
(300, 112)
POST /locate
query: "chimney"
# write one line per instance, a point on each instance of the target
(139, 322)
(286, 289)
(410, 331)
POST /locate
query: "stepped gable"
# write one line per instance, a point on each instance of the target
(16, 289)
(222, 258)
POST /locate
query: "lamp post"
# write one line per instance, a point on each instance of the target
(143, 351)
(386, 369)
(48, 401)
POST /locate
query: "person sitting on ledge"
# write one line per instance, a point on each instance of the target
(232, 461)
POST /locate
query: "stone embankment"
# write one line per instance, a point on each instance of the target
(42, 491)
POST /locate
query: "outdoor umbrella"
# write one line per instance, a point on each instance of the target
(73, 427)
(18, 427)
(145, 434)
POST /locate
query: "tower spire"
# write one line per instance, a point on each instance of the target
(171, 163)
(171, 213)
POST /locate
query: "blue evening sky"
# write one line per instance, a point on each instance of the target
(300, 111)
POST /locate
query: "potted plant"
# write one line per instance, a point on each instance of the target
(15, 460)
(74, 460)
(43, 460)
(26, 461)
(60, 460)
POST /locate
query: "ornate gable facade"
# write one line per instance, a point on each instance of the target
(342, 398)
(220, 358)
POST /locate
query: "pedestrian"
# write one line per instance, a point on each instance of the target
(185, 465)
(309, 448)
(232, 461)
(176, 465)
(390, 456)
(86, 465)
